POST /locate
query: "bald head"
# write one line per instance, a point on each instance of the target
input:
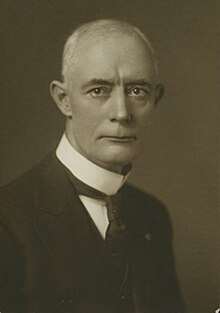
(97, 31)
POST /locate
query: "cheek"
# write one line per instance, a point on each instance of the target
(144, 115)
(85, 125)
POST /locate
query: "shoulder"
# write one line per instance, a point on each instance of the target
(14, 194)
(133, 194)
(23, 183)
(142, 199)
(17, 195)
(39, 172)
(146, 208)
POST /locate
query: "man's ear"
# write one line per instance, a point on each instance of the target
(59, 94)
(159, 93)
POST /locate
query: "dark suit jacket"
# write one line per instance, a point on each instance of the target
(49, 260)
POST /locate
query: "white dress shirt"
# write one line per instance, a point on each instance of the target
(95, 176)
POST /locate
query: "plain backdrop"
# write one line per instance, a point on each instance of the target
(180, 163)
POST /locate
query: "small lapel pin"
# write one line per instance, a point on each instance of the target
(147, 236)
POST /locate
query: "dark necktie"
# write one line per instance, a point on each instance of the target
(116, 232)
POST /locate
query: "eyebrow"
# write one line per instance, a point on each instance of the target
(140, 82)
(106, 82)
(97, 81)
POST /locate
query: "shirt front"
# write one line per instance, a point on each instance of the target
(93, 175)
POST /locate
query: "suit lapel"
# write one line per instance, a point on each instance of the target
(62, 225)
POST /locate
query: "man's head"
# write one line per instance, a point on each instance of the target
(109, 91)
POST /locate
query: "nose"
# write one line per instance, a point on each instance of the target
(119, 109)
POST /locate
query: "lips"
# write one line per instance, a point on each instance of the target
(120, 138)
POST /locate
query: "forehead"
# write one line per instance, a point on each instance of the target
(120, 55)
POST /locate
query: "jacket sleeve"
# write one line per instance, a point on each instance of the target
(11, 273)
(169, 292)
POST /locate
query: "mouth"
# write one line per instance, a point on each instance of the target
(121, 139)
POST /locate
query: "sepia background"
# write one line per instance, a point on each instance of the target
(180, 163)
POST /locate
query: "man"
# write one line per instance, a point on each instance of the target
(74, 237)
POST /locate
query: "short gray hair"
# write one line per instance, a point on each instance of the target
(98, 29)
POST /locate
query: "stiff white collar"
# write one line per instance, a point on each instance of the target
(95, 176)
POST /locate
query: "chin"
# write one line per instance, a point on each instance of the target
(121, 158)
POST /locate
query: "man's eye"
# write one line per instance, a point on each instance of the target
(137, 91)
(99, 91)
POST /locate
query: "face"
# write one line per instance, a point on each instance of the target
(110, 98)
